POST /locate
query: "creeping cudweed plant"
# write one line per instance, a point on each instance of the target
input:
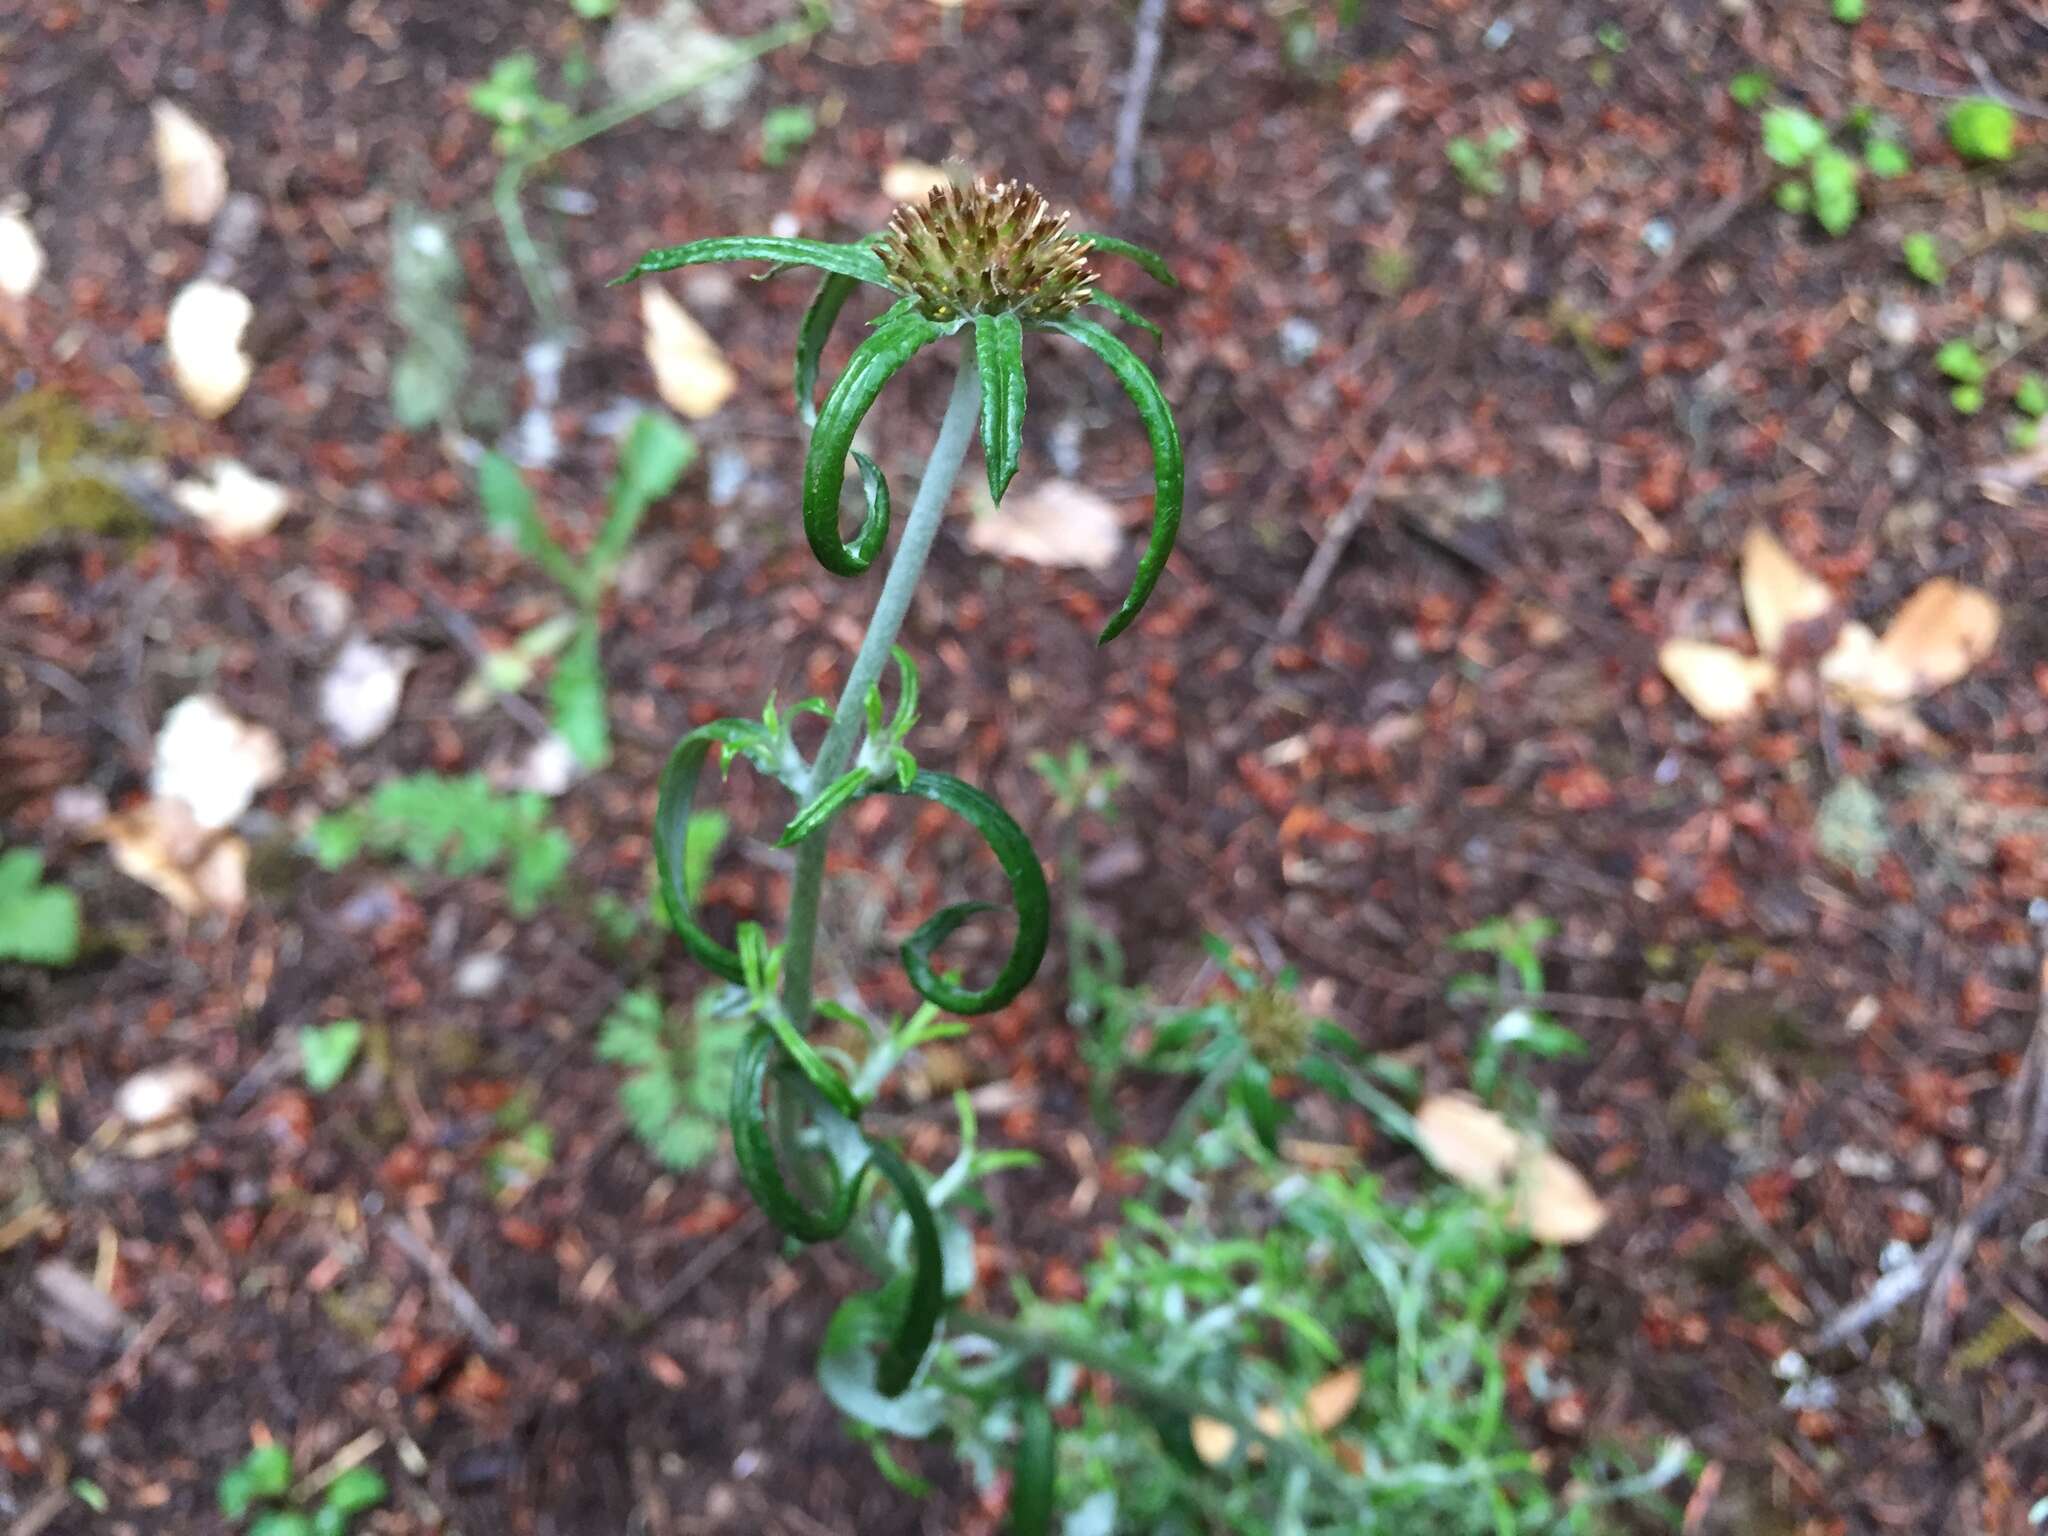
(980, 267)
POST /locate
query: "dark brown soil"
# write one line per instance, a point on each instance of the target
(1792, 1066)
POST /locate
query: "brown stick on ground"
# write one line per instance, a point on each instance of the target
(2024, 1155)
(1130, 120)
(1323, 563)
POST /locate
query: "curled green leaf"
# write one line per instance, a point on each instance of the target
(811, 337)
(1028, 894)
(1168, 469)
(896, 338)
(828, 803)
(1153, 263)
(753, 1146)
(854, 261)
(1031, 1486)
(999, 352)
(920, 1316)
(672, 833)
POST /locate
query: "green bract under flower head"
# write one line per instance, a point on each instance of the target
(985, 250)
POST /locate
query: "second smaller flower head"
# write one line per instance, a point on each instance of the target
(985, 250)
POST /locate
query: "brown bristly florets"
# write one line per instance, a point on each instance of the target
(984, 250)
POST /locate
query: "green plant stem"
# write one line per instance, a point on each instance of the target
(850, 718)
(1053, 1344)
(505, 189)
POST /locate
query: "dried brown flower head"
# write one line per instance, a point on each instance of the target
(984, 250)
(1276, 1028)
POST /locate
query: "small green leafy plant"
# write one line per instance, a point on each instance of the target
(257, 1489)
(784, 131)
(1479, 161)
(1830, 186)
(515, 104)
(38, 921)
(679, 1081)
(1922, 254)
(652, 459)
(1960, 362)
(1983, 131)
(1517, 1025)
(327, 1051)
(457, 826)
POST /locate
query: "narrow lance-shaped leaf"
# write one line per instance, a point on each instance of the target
(1153, 263)
(855, 261)
(896, 339)
(920, 1316)
(1125, 313)
(1168, 470)
(651, 460)
(1031, 1499)
(999, 351)
(1028, 893)
(510, 512)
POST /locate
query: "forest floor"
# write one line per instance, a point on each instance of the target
(1595, 381)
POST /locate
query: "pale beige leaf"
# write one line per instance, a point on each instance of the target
(21, 257)
(1330, 1401)
(1777, 592)
(911, 181)
(690, 373)
(1475, 1147)
(1718, 681)
(1056, 522)
(203, 334)
(192, 168)
(155, 1094)
(1213, 1439)
(1943, 631)
(233, 503)
(161, 845)
(212, 761)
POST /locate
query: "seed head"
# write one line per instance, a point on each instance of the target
(982, 250)
(1276, 1028)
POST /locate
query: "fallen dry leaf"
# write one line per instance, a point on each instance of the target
(1717, 680)
(1326, 1405)
(203, 334)
(911, 181)
(160, 844)
(192, 168)
(21, 257)
(212, 762)
(1056, 522)
(360, 693)
(1777, 592)
(690, 374)
(234, 503)
(1943, 631)
(155, 1094)
(1472, 1145)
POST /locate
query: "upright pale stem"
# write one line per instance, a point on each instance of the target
(850, 718)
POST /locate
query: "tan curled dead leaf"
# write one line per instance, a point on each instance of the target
(233, 502)
(192, 168)
(203, 334)
(1475, 1147)
(1055, 523)
(1717, 680)
(161, 845)
(1778, 592)
(1213, 1440)
(1326, 1405)
(1943, 631)
(690, 373)
(1330, 1401)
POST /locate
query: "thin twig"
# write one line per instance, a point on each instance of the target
(1999, 93)
(1130, 120)
(2024, 1155)
(700, 1268)
(1323, 564)
(1689, 245)
(475, 1321)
